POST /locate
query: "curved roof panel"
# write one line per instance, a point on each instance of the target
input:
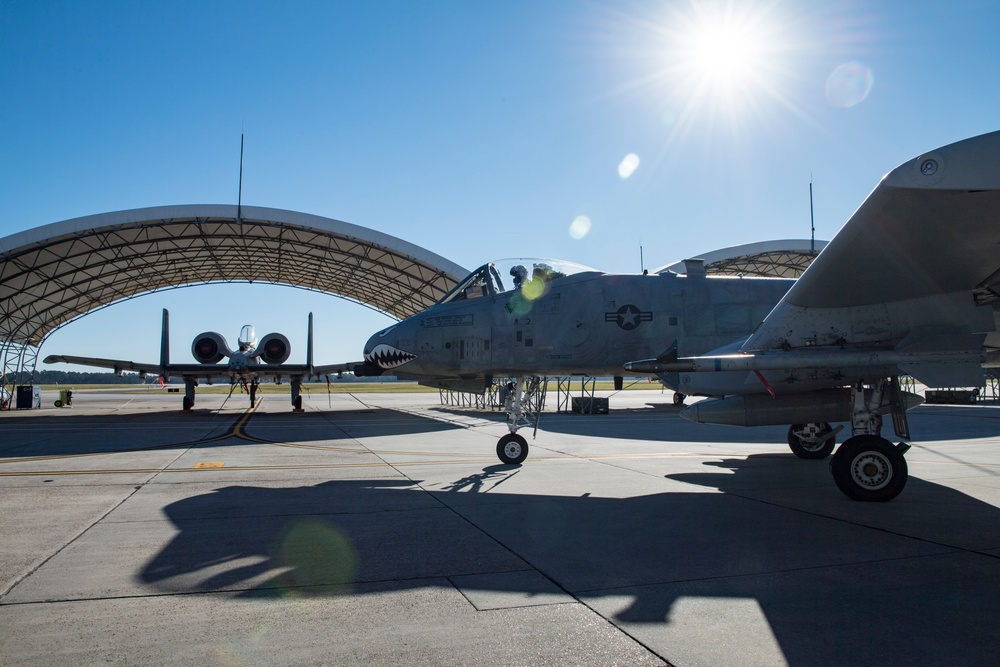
(772, 259)
(52, 274)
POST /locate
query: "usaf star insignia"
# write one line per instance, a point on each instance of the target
(629, 317)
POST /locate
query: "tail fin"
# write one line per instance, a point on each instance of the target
(165, 342)
(309, 345)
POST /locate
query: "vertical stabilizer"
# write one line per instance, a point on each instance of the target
(309, 345)
(165, 342)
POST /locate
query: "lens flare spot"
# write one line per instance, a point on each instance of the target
(849, 84)
(316, 554)
(533, 289)
(581, 225)
(628, 165)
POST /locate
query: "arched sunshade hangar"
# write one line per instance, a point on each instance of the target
(53, 274)
(771, 259)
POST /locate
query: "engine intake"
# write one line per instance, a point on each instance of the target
(210, 348)
(274, 348)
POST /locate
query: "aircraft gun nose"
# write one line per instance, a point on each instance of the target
(383, 350)
(238, 362)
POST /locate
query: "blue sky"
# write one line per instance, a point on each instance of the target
(477, 130)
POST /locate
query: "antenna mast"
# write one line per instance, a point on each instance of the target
(239, 198)
(812, 219)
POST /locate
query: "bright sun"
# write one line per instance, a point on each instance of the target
(723, 61)
(723, 53)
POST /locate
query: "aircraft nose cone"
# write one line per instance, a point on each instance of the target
(238, 362)
(383, 350)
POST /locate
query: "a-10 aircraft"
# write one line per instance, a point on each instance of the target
(906, 287)
(250, 362)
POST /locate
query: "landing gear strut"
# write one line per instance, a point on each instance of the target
(512, 448)
(868, 467)
(296, 396)
(189, 385)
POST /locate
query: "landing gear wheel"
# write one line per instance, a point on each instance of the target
(297, 403)
(187, 403)
(810, 441)
(679, 398)
(869, 468)
(512, 449)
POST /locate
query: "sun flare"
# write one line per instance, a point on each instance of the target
(724, 53)
(721, 67)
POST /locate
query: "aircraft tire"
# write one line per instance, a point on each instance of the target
(297, 403)
(812, 446)
(869, 468)
(512, 449)
(679, 398)
(187, 403)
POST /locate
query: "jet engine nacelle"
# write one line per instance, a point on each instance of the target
(210, 348)
(274, 348)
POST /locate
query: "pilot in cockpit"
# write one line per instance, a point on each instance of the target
(520, 274)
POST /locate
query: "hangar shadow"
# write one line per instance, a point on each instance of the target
(72, 435)
(912, 581)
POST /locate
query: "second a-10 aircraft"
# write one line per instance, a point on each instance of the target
(906, 287)
(252, 361)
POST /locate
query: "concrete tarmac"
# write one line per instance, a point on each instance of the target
(381, 529)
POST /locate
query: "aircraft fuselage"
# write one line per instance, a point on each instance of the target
(583, 324)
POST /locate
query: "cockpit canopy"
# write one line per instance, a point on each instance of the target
(248, 339)
(507, 275)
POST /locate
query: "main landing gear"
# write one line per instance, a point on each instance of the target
(868, 467)
(812, 441)
(189, 385)
(528, 393)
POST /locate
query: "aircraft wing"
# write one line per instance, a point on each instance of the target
(331, 369)
(118, 365)
(262, 370)
(913, 271)
(206, 370)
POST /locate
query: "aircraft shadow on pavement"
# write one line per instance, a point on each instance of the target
(912, 581)
(69, 435)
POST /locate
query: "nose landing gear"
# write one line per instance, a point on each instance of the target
(528, 392)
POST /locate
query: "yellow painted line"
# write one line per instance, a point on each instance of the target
(332, 466)
(151, 471)
(205, 465)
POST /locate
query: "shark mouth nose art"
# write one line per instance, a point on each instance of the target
(388, 357)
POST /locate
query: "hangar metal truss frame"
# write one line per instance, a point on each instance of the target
(55, 274)
(767, 259)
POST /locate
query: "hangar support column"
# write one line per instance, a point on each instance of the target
(18, 367)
